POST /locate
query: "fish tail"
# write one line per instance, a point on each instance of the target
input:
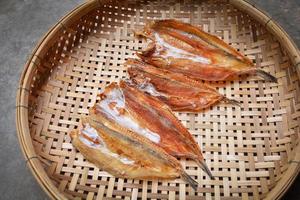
(266, 76)
(189, 180)
(231, 101)
(204, 167)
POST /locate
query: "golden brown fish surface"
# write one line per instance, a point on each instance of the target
(176, 90)
(147, 116)
(184, 48)
(125, 154)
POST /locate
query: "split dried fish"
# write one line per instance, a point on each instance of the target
(184, 48)
(149, 117)
(176, 90)
(125, 154)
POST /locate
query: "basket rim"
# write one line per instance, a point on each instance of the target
(23, 131)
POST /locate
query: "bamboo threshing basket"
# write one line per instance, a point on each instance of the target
(253, 150)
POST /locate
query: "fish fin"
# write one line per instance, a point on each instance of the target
(231, 101)
(73, 134)
(189, 180)
(148, 52)
(266, 76)
(205, 168)
(183, 155)
(141, 34)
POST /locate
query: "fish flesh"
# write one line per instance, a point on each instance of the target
(149, 117)
(176, 90)
(181, 47)
(125, 154)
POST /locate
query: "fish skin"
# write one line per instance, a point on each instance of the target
(220, 61)
(152, 114)
(176, 90)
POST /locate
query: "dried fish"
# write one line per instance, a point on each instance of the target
(176, 90)
(125, 154)
(184, 48)
(147, 116)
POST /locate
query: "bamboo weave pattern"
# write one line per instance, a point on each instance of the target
(247, 148)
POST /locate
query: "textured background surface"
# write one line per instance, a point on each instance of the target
(22, 24)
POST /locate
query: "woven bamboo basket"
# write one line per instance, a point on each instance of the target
(253, 150)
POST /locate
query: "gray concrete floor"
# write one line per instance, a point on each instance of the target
(22, 24)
